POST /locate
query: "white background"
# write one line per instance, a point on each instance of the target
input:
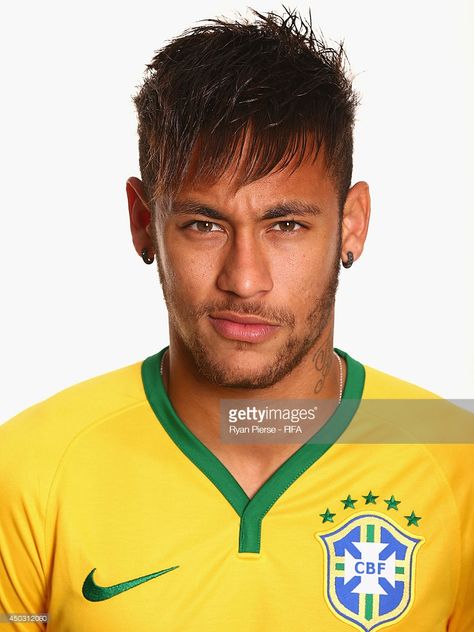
(77, 300)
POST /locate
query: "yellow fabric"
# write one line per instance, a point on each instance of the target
(90, 479)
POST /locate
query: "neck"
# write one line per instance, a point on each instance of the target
(197, 401)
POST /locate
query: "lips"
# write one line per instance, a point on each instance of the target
(241, 318)
(245, 331)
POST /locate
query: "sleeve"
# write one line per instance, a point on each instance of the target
(22, 569)
(462, 617)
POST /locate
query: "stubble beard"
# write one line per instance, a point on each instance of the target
(288, 356)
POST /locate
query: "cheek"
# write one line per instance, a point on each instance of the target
(186, 274)
(303, 268)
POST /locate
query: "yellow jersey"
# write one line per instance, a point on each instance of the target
(114, 516)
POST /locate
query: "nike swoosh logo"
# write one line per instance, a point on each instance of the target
(93, 592)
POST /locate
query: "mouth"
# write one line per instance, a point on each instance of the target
(244, 328)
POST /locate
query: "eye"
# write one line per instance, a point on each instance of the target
(202, 226)
(288, 226)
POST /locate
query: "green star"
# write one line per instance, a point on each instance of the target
(370, 498)
(392, 503)
(327, 516)
(412, 519)
(349, 503)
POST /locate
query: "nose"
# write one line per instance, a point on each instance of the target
(245, 270)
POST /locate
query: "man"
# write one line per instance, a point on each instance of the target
(124, 503)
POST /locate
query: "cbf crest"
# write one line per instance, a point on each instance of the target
(369, 570)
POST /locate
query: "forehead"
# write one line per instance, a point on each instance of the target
(304, 176)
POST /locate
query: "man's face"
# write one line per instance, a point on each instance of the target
(283, 269)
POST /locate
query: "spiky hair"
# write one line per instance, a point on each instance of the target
(272, 78)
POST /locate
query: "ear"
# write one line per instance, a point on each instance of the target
(355, 220)
(140, 216)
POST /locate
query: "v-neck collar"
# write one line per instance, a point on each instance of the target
(252, 510)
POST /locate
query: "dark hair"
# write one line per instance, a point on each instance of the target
(215, 82)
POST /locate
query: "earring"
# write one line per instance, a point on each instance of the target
(146, 258)
(350, 260)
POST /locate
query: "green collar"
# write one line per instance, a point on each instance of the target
(252, 510)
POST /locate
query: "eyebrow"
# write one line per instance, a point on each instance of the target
(293, 207)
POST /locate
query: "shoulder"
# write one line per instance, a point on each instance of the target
(379, 384)
(412, 415)
(32, 442)
(70, 410)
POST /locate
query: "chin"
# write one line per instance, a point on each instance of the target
(225, 369)
(242, 358)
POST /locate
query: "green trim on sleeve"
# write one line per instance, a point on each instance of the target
(252, 510)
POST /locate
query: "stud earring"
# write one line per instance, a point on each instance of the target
(146, 258)
(350, 260)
